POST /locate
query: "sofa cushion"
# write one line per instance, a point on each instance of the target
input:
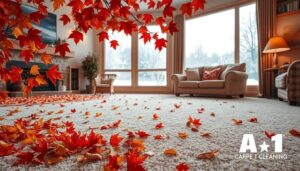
(236, 67)
(212, 84)
(188, 84)
(211, 75)
(192, 74)
(280, 81)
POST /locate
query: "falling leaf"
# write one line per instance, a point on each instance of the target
(114, 44)
(53, 74)
(170, 152)
(34, 70)
(46, 58)
(294, 132)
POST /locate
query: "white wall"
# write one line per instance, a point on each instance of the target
(82, 49)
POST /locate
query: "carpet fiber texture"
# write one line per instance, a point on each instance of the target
(136, 112)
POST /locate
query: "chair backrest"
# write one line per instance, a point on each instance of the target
(293, 81)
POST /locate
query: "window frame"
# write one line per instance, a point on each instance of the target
(134, 87)
(251, 89)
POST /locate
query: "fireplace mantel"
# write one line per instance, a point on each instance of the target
(48, 50)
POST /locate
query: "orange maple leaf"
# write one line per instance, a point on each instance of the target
(34, 70)
(208, 155)
(170, 152)
(46, 58)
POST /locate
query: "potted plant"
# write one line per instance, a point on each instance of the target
(90, 70)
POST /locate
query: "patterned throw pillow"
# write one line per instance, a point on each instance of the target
(212, 75)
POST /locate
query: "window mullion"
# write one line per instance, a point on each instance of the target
(134, 59)
(237, 36)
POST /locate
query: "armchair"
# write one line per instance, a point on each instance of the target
(288, 83)
(104, 83)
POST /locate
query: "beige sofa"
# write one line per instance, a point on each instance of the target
(232, 81)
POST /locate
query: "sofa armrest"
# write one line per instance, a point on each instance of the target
(178, 77)
(235, 83)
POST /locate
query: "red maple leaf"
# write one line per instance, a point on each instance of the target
(198, 4)
(182, 167)
(53, 74)
(27, 55)
(76, 35)
(115, 140)
(142, 134)
(62, 49)
(159, 125)
(168, 11)
(135, 161)
(103, 35)
(146, 37)
(147, 18)
(114, 44)
(172, 27)
(160, 44)
(186, 9)
(65, 19)
(15, 74)
(270, 134)
(24, 158)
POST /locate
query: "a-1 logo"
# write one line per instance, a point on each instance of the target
(248, 143)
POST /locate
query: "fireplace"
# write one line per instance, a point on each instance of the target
(26, 74)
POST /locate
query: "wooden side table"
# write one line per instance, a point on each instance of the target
(274, 73)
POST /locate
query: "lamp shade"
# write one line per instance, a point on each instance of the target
(276, 44)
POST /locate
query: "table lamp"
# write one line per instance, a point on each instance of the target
(276, 45)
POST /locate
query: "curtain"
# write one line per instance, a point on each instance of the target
(266, 18)
(179, 45)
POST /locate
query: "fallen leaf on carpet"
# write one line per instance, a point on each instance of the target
(206, 134)
(182, 135)
(209, 155)
(237, 121)
(294, 132)
(182, 167)
(170, 152)
(254, 120)
(159, 126)
(155, 116)
(270, 134)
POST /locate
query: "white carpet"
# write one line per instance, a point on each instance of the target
(272, 115)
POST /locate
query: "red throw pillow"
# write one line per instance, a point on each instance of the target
(211, 75)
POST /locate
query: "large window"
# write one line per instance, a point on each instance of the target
(119, 61)
(249, 42)
(209, 40)
(152, 64)
(213, 40)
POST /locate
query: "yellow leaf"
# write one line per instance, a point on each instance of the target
(57, 4)
(46, 58)
(35, 70)
(40, 80)
(170, 152)
(17, 32)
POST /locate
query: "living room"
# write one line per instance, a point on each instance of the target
(149, 85)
